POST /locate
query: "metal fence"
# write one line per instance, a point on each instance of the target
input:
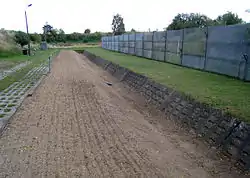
(218, 49)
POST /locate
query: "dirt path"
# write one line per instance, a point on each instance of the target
(77, 126)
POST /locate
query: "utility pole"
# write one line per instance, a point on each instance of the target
(27, 29)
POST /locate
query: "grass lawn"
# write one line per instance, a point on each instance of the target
(222, 92)
(36, 60)
(9, 62)
(12, 60)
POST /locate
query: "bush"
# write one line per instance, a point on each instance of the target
(21, 38)
(9, 52)
(8, 47)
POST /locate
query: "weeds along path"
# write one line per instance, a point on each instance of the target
(77, 126)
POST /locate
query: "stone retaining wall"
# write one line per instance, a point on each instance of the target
(221, 130)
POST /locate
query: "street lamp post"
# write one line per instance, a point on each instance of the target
(27, 29)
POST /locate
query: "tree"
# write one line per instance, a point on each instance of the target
(191, 20)
(51, 35)
(35, 37)
(54, 35)
(132, 30)
(46, 29)
(229, 18)
(118, 26)
(61, 37)
(21, 38)
(87, 31)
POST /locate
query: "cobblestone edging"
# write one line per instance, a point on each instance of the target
(12, 97)
(228, 134)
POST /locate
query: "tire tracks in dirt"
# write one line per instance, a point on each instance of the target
(116, 140)
(99, 133)
(140, 162)
(113, 131)
(91, 132)
(87, 141)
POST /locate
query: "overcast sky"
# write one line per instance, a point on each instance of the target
(77, 15)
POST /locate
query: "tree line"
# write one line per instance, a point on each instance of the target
(180, 21)
(54, 35)
(184, 20)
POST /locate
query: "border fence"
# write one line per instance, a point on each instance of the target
(219, 49)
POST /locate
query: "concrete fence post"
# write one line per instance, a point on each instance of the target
(165, 45)
(152, 48)
(123, 44)
(135, 45)
(118, 43)
(205, 50)
(142, 44)
(181, 47)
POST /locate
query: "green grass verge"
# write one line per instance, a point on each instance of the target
(7, 49)
(16, 58)
(10, 61)
(231, 95)
(6, 54)
(36, 60)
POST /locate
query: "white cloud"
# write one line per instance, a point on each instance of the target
(77, 15)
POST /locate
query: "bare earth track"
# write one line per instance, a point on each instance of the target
(77, 126)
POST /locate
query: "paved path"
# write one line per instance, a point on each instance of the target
(77, 126)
